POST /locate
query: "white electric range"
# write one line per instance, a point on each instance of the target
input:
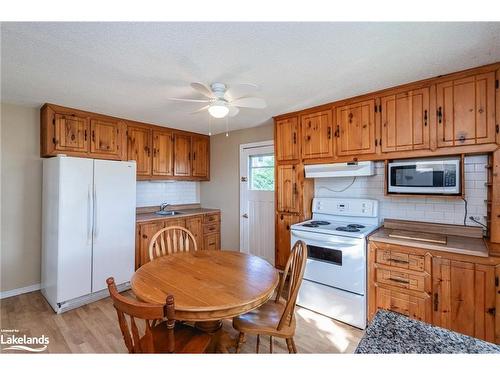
(335, 277)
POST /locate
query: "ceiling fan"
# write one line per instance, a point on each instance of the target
(221, 98)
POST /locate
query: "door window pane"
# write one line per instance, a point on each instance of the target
(262, 172)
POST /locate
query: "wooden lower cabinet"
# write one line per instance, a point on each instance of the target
(283, 237)
(204, 227)
(457, 292)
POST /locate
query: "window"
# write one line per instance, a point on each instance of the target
(262, 172)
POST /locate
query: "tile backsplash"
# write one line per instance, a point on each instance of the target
(439, 210)
(153, 193)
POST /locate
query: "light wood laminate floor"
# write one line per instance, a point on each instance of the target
(94, 328)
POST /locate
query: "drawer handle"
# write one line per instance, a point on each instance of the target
(399, 280)
(398, 261)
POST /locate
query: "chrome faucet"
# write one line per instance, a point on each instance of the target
(163, 206)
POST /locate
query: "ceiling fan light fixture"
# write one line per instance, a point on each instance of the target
(218, 109)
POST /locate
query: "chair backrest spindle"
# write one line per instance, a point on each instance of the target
(171, 240)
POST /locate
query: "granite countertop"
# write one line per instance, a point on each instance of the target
(151, 216)
(390, 332)
(454, 244)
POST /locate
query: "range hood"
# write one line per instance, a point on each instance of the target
(351, 169)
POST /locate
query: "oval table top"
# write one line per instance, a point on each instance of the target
(208, 284)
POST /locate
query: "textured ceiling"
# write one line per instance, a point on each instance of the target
(130, 69)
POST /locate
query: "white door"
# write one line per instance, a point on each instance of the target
(74, 263)
(257, 199)
(113, 251)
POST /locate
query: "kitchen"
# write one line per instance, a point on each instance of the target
(212, 209)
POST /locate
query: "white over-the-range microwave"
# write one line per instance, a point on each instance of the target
(425, 176)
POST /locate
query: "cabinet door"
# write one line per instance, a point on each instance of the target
(182, 155)
(107, 138)
(411, 305)
(355, 130)
(139, 149)
(405, 121)
(287, 135)
(162, 153)
(283, 245)
(195, 226)
(317, 135)
(146, 232)
(466, 111)
(71, 133)
(287, 189)
(201, 156)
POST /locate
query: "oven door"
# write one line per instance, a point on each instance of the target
(425, 177)
(334, 261)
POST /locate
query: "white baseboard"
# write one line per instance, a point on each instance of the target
(15, 292)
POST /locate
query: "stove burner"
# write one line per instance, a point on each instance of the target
(355, 226)
(319, 222)
(310, 225)
(347, 229)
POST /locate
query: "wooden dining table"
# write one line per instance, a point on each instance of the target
(208, 286)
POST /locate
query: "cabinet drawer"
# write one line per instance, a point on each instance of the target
(400, 260)
(211, 218)
(417, 307)
(175, 223)
(211, 242)
(401, 279)
(211, 228)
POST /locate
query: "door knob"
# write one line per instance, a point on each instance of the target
(245, 216)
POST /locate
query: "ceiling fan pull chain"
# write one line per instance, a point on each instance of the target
(227, 126)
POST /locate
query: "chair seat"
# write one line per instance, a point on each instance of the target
(187, 339)
(264, 320)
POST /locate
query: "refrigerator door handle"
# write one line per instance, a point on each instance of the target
(89, 215)
(96, 232)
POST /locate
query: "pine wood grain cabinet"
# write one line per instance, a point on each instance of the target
(160, 153)
(405, 121)
(317, 135)
(457, 292)
(283, 236)
(287, 131)
(206, 239)
(355, 128)
(288, 188)
(466, 110)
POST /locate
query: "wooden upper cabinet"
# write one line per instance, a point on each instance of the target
(201, 155)
(317, 135)
(287, 189)
(107, 138)
(405, 121)
(287, 139)
(163, 153)
(465, 110)
(355, 128)
(71, 133)
(464, 297)
(139, 148)
(182, 155)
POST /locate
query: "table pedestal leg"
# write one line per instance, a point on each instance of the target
(221, 340)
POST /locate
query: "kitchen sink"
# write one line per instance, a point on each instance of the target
(168, 213)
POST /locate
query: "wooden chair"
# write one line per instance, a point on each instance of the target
(160, 336)
(171, 240)
(277, 317)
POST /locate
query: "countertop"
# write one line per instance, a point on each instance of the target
(454, 244)
(151, 216)
(390, 332)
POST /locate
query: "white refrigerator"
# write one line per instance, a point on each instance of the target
(88, 228)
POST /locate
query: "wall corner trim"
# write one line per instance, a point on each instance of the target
(16, 292)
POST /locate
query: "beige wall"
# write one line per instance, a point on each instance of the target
(21, 197)
(222, 191)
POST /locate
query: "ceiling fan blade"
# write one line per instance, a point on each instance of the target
(249, 102)
(233, 111)
(240, 89)
(202, 89)
(191, 100)
(200, 110)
